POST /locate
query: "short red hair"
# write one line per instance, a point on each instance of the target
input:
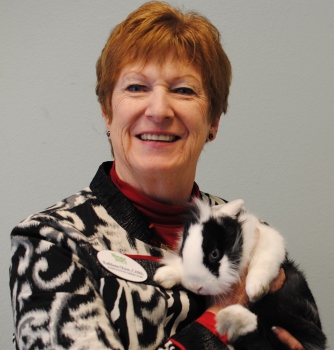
(155, 29)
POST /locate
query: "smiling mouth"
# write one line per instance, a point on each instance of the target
(160, 138)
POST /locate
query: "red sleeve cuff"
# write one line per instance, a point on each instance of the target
(208, 320)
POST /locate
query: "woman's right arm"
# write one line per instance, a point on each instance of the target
(54, 297)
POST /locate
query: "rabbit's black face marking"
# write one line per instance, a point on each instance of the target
(219, 239)
(191, 218)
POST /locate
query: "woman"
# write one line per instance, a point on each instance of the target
(162, 81)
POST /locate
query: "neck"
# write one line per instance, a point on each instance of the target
(166, 187)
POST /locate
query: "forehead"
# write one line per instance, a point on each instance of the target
(169, 68)
(179, 58)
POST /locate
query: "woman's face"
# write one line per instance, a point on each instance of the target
(159, 121)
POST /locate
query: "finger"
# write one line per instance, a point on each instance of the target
(278, 282)
(286, 338)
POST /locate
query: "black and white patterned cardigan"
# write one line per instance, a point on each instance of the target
(63, 298)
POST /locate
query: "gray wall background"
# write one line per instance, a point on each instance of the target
(274, 148)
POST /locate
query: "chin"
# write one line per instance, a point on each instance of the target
(159, 165)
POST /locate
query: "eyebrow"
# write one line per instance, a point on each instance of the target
(139, 74)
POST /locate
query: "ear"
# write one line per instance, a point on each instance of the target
(232, 208)
(214, 126)
(106, 117)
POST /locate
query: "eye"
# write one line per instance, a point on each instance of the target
(214, 255)
(136, 88)
(184, 91)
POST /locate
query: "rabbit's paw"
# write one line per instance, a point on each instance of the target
(167, 277)
(257, 287)
(234, 321)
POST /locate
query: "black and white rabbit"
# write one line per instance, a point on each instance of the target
(217, 245)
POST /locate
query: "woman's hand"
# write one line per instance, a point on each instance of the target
(278, 282)
(286, 338)
(238, 295)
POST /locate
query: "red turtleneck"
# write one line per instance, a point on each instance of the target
(164, 218)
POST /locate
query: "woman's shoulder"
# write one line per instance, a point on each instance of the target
(68, 218)
(212, 199)
(70, 210)
(61, 207)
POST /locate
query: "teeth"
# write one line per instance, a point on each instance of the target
(153, 137)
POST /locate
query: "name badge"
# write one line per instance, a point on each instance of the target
(122, 266)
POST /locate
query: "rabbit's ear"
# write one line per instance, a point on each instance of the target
(232, 208)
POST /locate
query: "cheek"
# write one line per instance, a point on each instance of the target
(117, 112)
(200, 130)
(198, 120)
(122, 120)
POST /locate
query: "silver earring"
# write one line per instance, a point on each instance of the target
(108, 133)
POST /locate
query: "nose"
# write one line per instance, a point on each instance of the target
(159, 106)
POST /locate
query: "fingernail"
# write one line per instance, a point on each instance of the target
(275, 330)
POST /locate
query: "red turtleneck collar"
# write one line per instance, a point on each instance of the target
(164, 218)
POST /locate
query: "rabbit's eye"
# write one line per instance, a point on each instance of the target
(214, 255)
